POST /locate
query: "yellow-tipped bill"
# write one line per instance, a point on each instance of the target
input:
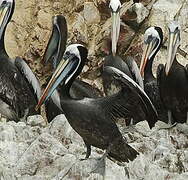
(50, 87)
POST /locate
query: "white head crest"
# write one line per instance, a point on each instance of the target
(115, 5)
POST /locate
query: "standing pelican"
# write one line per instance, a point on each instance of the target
(173, 80)
(19, 88)
(128, 66)
(93, 119)
(153, 39)
(53, 54)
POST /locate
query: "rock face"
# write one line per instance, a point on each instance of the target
(34, 151)
(90, 23)
(31, 151)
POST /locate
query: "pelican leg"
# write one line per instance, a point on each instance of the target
(100, 166)
(88, 153)
(170, 125)
(131, 123)
(187, 119)
(169, 117)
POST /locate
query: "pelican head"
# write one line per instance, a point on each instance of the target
(6, 11)
(153, 38)
(57, 42)
(70, 66)
(173, 44)
(115, 6)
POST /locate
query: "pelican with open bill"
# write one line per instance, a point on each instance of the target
(19, 88)
(173, 80)
(93, 119)
(153, 39)
(53, 54)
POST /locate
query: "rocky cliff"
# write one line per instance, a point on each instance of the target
(33, 151)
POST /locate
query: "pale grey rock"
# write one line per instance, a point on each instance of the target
(91, 13)
(7, 132)
(184, 26)
(56, 153)
(141, 12)
(41, 153)
(79, 29)
(61, 130)
(36, 120)
(183, 128)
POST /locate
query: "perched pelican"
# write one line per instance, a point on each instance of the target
(53, 54)
(173, 80)
(93, 119)
(19, 88)
(128, 66)
(153, 39)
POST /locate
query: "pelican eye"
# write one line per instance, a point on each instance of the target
(67, 53)
(3, 3)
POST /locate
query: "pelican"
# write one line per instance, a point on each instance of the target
(53, 54)
(93, 119)
(173, 80)
(153, 39)
(19, 88)
(128, 66)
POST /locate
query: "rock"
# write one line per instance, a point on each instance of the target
(79, 29)
(135, 15)
(36, 120)
(164, 11)
(90, 8)
(141, 11)
(43, 152)
(61, 130)
(184, 27)
(33, 151)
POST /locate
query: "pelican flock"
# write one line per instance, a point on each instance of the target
(132, 93)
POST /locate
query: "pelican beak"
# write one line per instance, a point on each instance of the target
(5, 13)
(60, 75)
(173, 43)
(151, 45)
(57, 42)
(115, 30)
(146, 53)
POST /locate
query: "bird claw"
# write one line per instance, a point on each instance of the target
(169, 126)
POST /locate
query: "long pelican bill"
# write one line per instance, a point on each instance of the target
(115, 30)
(173, 43)
(52, 48)
(57, 77)
(173, 39)
(57, 42)
(5, 10)
(146, 53)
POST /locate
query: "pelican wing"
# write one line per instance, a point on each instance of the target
(133, 67)
(29, 76)
(131, 97)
